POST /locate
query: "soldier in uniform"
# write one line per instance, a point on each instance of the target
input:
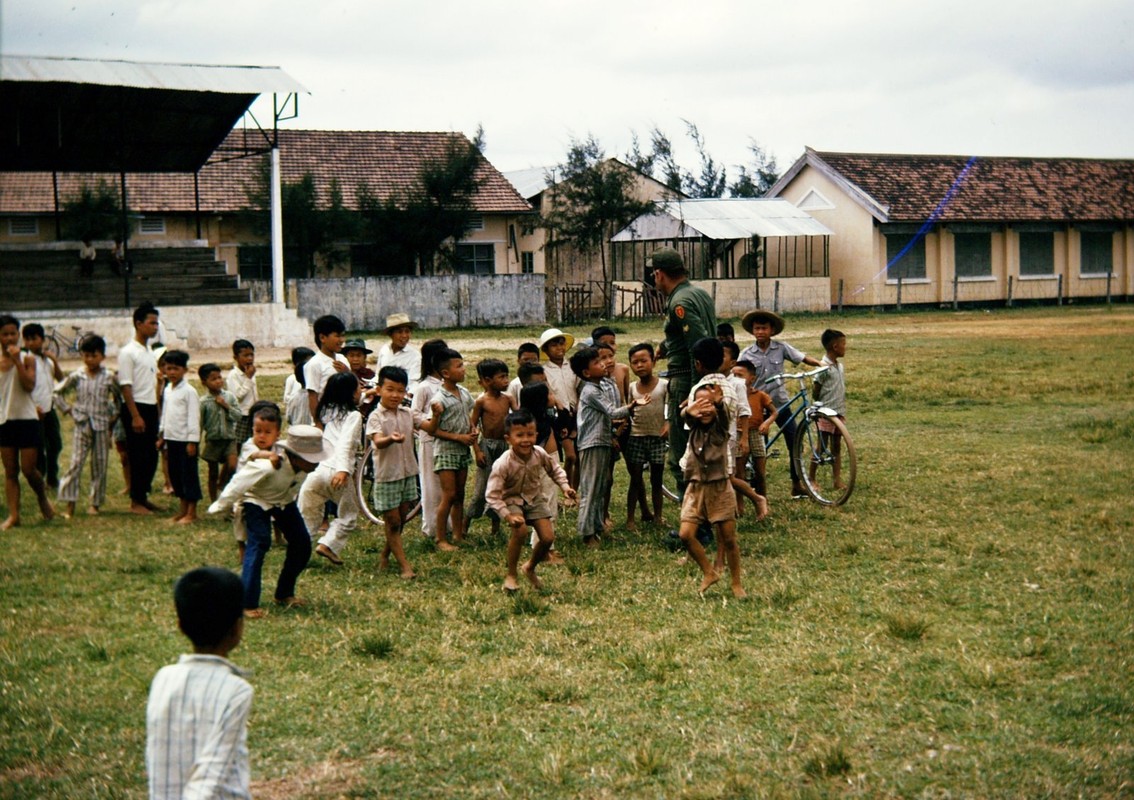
(690, 316)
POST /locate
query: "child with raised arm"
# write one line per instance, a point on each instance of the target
(390, 427)
(180, 432)
(646, 446)
(428, 385)
(595, 443)
(220, 419)
(93, 412)
(830, 390)
(763, 413)
(47, 372)
(19, 424)
(709, 495)
(241, 382)
(197, 713)
(490, 409)
(331, 481)
(518, 493)
(453, 438)
(329, 333)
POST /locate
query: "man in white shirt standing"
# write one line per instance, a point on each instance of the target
(399, 352)
(137, 375)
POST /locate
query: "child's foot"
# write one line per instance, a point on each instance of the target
(738, 591)
(444, 546)
(553, 557)
(510, 584)
(167, 490)
(188, 519)
(408, 574)
(291, 602)
(255, 613)
(529, 573)
(607, 525)
(9, 523)
(631, 525)
(46, 509)
(761, 507)
(330, 555)
(709, 580)
(383, 563)
(151, 506)
(647, 518)
(177, 517)
(93, 511)
(138, 508)
(591, 541)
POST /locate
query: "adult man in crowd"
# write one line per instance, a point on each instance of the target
(137, 375)
(768, 356)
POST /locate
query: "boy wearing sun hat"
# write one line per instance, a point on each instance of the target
(554, 344)
(398, 352)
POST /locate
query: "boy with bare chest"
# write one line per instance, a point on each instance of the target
(489, 412)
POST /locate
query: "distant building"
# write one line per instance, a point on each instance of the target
(983, 227)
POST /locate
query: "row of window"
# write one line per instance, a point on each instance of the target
(29, 226)
(972, 254)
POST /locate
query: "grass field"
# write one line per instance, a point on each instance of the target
(963, 627)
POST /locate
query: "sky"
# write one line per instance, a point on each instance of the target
(964, 78)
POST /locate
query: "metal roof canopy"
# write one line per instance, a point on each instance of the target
(80, 115)
(736, 218)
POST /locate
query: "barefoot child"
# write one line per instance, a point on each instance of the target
(197, 713)
(518, 493)
(390, 428)
(489, 412)
(830, 390)
(428, 385)
(241, 382)
(180, 432)
(220, 419)
(267, 493)
(92, 412)
(562, 381)
(741, 444)
(19, 424)
(453, 438)
(645, 449)
(47, 372)
(709, 496)
(763, 414)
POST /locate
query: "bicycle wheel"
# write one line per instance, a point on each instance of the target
(364, 489)
(825, 461)
(52, 346)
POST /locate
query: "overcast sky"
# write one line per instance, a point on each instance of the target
(993, 77)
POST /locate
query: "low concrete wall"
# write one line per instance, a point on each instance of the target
(449, 301)
(733, 297)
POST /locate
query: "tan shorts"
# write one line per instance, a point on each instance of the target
(711, 501)
(540, 509)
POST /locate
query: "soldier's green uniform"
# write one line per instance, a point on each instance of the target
(690, 316)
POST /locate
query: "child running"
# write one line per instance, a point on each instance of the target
(220, 419)
(331, 481)
(93, 412)
(390, 428)
(518, 493)
(453, 438)
(490, 410)
(19, 424)
(646, 446)
(180, 432)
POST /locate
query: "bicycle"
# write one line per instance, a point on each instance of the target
(816, 453)
(56, 344)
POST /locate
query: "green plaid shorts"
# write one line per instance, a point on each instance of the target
(389, 495)
(646, 450)
(456, 461)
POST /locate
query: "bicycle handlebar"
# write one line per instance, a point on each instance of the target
(798, 376)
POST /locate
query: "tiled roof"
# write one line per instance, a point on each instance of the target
(385, 161)
(995, 189)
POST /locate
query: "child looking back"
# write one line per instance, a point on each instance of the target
(241, 382)
(197, 713)
(490, 409)
(453, 438)
(830, 390)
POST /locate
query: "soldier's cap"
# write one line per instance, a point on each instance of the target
(667, 260)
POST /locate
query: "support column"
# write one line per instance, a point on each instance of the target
(277, 229)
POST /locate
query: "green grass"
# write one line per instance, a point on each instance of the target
(961, 628)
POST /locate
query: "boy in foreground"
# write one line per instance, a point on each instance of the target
(197, 714)
(518, 493)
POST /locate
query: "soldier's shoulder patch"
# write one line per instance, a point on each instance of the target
(679, 312)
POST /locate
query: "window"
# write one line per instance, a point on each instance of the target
(152, 225)
(476, 259)
(911, 264)
(1096, 252)
(527, 262)
(476, 222)
(23, 226)
(1037, 253)
(972, 254)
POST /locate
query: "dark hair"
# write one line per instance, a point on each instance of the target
(746, 365)
(581, 359)
(209, 601)
(534, 397)
(178, 358)
(733, 349)
(649, 348)
(725, 329)
(709, 351)
(443, 357)
(92, 343)
(205, 370)
(8, 319)
(325, 325)
(600, 331)
(526, 371)
(527, 347)
(143, 311)
(299, 357)
(490, 367)
(829, 337)
(338, 396)
(429, 351)
(393, 374)
(267, 411)
(520, 416)
(603, 346)
(33, 329)
(242, 344)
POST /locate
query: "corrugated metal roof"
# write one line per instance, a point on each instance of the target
(148, 75)
(722, 220)
(529, 182)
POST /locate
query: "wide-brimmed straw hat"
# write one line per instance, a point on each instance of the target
(760, 315)
(399, 321)
(555, 333)
(307, 442)
(356, 344)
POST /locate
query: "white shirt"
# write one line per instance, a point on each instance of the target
(137, 368)
(197, 730)
(423, 400)
(180, 413)
(562, 382)
(343, 433)
(296, 405)
(43, 394)
(409, 359)
(319, 369)
(243, 389)
(513, 391)
(260, 483)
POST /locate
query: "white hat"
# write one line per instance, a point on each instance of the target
(306, 441)
(555, 333)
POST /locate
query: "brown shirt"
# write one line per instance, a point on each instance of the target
(514, 482)
(397, 461)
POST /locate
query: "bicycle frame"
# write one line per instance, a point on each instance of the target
(802, 394)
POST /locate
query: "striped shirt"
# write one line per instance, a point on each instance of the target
(197, 730)
(96, 398)
(597, 408)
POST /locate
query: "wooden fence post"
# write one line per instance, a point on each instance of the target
(840, 295)
(899, 305)
(1109, 273)
(1010, 285)
(954, 291)
(776, 299)
(1059, 291)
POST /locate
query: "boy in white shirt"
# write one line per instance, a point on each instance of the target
(330, 334)
(241, 381)
(180, 432)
